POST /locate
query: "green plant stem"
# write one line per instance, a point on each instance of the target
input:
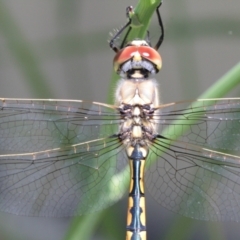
(225, 84)
(143, 13)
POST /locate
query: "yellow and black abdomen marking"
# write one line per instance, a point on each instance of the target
(136, 217)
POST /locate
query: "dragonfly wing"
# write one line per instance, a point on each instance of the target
(58, 158)
(198, 175)
(212, 123)
(34, 125)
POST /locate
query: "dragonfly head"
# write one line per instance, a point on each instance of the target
(137, 60)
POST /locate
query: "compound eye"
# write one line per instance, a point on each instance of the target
(122, 56)
(151, 55)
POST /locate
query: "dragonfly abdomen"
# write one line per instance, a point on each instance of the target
(136, 218)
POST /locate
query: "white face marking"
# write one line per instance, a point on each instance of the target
(135, 53)
(145, 54)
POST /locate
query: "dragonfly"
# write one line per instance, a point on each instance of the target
(72, 157)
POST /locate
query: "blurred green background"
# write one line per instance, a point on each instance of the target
(59, 49)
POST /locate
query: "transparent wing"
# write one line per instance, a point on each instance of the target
(57, 158)
(198, 175)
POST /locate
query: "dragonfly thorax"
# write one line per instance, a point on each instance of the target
(137, 101)
(137, 92)
(137, 60)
